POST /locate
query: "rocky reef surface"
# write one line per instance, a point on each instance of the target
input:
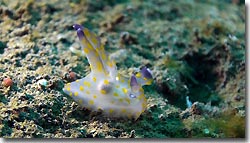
(195, 50)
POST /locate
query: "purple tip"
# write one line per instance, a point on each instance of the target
(146, 73)
(133, 81)
(134, 84)
(77, 26)
(80, 33)
(79, 30)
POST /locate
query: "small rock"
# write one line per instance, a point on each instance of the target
(43, 82)
(72, 76)
(238, 97)
(206, 131)
(196, 108)
(7, 82)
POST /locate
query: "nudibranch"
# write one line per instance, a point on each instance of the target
(104, 88)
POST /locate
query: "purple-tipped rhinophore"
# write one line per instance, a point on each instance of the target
(146, 73)
(79, 30)
(77, 26)
(133, 83)
(80, 33)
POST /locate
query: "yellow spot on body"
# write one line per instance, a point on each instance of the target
(102, 48)
(128, 100)
(125, 90)
(140, 96)
(81, 88)
(86, 32)
(70, 94)
(106, 81)
(86, 83)
(94, 40)
(122, 80)
(124, 110)
(110, 64)
(138, 75)
(149, 82)
(103, 56)
(103, 91)
(111, 111)
(68, 88)
(96, 54)
(94, 79)
(128, 83)
(117, 86)
(99, 66)
(145, 78)
(121, 100)
(94, 96)
(86, 50)
(76, 93)
(77, 80)
(116, 94)
(91, 102)
(87, 92)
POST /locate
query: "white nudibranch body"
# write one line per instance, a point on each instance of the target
(104, 89)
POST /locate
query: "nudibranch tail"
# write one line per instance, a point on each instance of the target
(91, 54)
(96, 42)
(144, 77)
(89, 38)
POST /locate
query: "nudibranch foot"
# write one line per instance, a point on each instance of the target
(103, 88)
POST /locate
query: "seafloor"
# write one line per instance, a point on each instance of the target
(194, 49)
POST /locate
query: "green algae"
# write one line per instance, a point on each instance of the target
(225, 126)
(6, 129)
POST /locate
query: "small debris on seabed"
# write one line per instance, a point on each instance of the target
(7, 82)
(43, 82)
